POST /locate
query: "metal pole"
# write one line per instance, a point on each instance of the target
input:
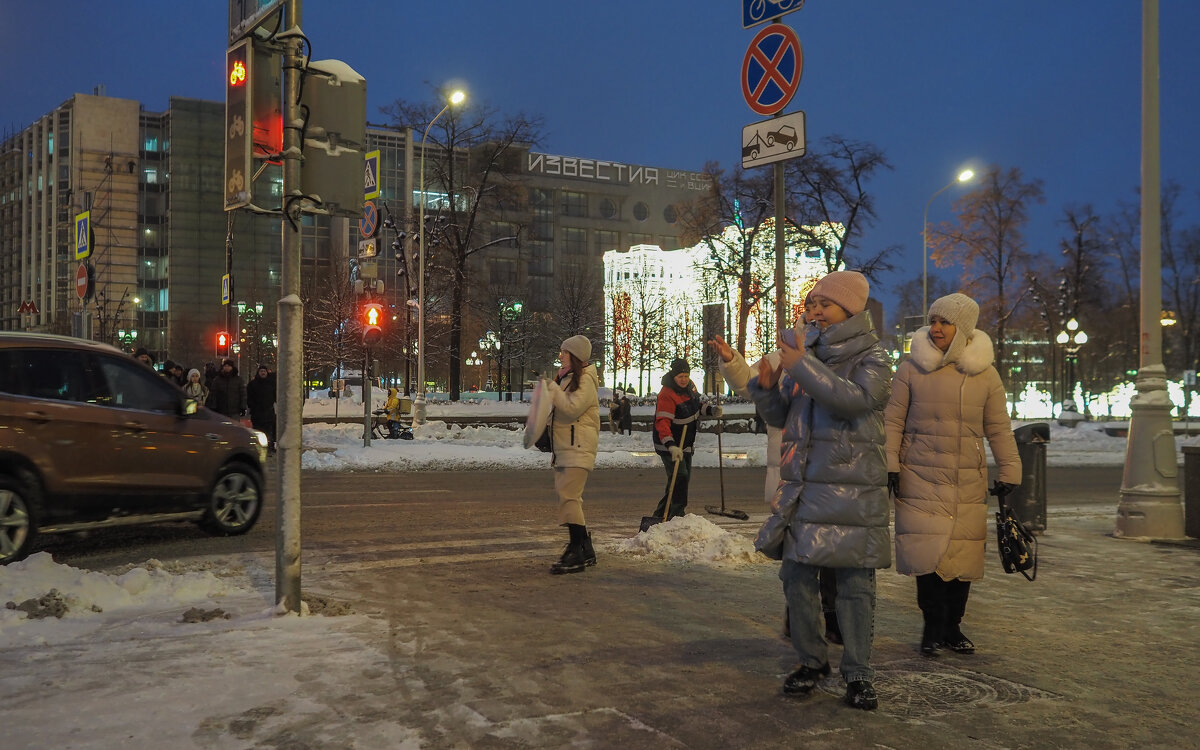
(291, 330)
(925, 250)
(419, 401)
(366, 397)
(1150, 504)
(782, 318)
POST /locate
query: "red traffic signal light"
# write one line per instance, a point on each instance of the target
(222, 344)
(372, 320)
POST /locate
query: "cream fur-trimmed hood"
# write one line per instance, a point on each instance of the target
(976, 356)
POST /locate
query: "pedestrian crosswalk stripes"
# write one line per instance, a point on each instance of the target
(507, 543)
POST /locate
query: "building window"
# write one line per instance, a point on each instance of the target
(573, 203)
(605, 241)
(503, 272)
(640, 211)
(641, 239)
(608, 208)
(574, 240)
(670, 215)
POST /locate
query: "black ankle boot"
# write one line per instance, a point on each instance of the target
(574, 557)
(589, 552)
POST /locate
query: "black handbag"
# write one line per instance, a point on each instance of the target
(544, 443)
(1018, 547)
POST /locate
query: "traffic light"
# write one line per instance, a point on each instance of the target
(222, 344)
(253, 117)
(372, 320)
(335, 135)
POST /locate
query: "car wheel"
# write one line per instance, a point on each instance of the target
(770, 140)
(790, 144)
(234, 501)
(18, 519)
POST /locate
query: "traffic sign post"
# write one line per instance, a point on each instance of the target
(771, 69)
(83, 282)
(778, 139)
(83, 235)
(369, 222)
(226, 282)
(755, 12)
(371, 176)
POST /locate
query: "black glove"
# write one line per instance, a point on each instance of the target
(894, 483)
(1002, 489)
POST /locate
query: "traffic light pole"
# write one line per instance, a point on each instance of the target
(291, 327)
(366, 397)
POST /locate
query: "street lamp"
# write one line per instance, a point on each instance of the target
(419, 402)
(475, 361)
(963, 176)
(1071, 338)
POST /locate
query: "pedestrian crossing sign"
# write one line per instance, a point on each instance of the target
(371, 176)
(83, 235)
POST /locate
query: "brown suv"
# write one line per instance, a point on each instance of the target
(90, 437)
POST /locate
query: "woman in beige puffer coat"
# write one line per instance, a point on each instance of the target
(575, 438)
(946, 399)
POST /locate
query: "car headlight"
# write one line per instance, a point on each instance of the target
(261, 437)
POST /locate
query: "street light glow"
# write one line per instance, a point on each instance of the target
(963, 176)
(456, 97)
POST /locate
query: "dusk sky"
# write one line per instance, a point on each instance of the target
(1053, 88)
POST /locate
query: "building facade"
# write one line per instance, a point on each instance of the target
(152, 182)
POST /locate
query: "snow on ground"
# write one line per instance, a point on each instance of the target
(439, 446)
(690, 539)
(201, 637)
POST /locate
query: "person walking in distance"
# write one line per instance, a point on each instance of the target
(676, 419)
(575, 437)
(227, 394)
(831, 509)
(260, 398)
(946, 399)
(194, 389)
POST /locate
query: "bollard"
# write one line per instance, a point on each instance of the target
(1029, 500)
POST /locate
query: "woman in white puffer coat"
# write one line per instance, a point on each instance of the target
(946, 399)
(575, 436)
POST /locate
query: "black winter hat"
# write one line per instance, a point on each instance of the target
(679, 365)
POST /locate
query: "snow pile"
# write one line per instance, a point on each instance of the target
(690, 538)
(86, 593)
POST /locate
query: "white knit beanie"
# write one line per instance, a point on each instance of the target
(957, 309)
(580, 346)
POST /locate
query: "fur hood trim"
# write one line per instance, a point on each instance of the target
(976, 356)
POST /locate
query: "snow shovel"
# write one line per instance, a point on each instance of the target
(648, 521)
(714, 510)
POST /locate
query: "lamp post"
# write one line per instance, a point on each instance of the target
(490, 344)
(963, 176)
(475, 361)
(419, 402)
(1071, 338)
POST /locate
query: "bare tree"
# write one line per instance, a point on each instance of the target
(830, 205)
(987, 244)
(470, 162)
(578, 309)
(332, 335)
(1181, 287)
(728, 221)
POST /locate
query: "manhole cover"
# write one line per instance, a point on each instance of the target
(927, 687)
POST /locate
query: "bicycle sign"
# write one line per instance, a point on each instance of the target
(771, 69)
(755, 12)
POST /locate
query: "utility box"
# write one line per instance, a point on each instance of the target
(1029, 499)
(1191, 491)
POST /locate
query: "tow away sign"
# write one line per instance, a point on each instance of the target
(769, 141)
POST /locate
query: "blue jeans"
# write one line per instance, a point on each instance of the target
(855, 607)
